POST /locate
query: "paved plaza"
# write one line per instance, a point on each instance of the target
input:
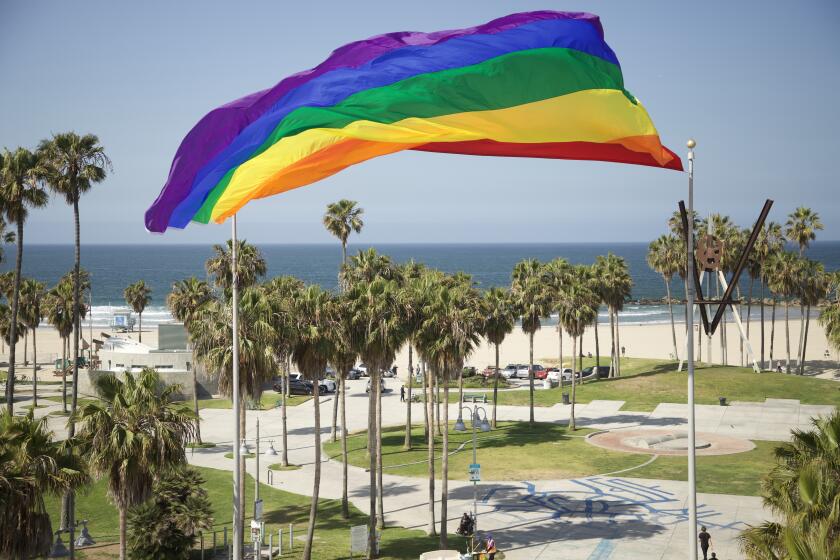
(606, 516)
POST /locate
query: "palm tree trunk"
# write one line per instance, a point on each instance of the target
(284, 456)
(71, 430)
(123, 534)
(380, 506)
(761, 304)
(407, 444)
(345, 503)
(460, 388)
(749, 305)
(437, 405)
(617, 342)
(334, 425)
(316, 482)
(34, 368)
(25, 347)
(597, 343)
(426, 400)
(496, 385)
(444, 480)
(64, 374)
(140, 332)
(195, 400)
(805, 340)
(10, 377)
(430, 442)
(531, 378)
(801, 333)
(371, 443)
(574, 370)
(614, 350)
(787, 336)
(560, 337)
(772, 330)
(671, 313)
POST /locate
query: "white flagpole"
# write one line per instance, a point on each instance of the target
(692, 476)
(237, 474)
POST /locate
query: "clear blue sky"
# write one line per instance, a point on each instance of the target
(755, 82)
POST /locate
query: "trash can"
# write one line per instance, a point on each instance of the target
(722, 401)
(566, 398)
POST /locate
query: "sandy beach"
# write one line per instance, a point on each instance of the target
(639, 340)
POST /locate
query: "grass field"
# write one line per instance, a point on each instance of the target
(267, 400)
(514, 451)
(646, 383)
(332, 533)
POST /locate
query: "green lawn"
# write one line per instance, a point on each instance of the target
(267, 400)
(332, 533)
(80, 401)
(646, 383)
(516, 452)
(718, 474)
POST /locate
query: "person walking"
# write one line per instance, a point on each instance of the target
(402, 393)
(705, 541)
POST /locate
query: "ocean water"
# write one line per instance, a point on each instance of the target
(113, 267)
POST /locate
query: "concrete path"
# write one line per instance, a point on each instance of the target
(597, 517)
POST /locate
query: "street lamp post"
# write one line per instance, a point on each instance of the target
(484, 426)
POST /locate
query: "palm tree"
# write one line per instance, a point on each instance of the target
(453, 325)
(413, 296)
(6, 237)
(20, 189)
(533, 302)
(250, 265)
(184, 301)
(31, 297)
(577, 309)
(830, 320)
(343, 357)
(815, 287)
(377, 331)
(342, 218)
(72, 165)
(213, 346)
(133, 434)
(314, 313)
(138, 296)
(770, 241)
(32, 466)
(802, 226)
(281, 291)
(785, 278)
(614, 275)
(802, 491)
(58, 305)
(664, 256)
(499, 320)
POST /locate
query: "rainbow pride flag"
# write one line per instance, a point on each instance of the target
(538, 84)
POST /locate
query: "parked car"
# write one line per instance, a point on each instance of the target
(363, 369)
(489, 371)
(522, 371)
(329, 373)
(381, 385)
(296, 375)
(510, 371)
(354, 374)
(296, 386)
(596, 372)
(540, 372)
(468, 371)
(326, 386)
(554, 374)
(392, 372)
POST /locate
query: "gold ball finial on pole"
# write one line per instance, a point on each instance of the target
(691, 143)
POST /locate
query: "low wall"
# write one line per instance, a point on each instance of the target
(207, 386)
